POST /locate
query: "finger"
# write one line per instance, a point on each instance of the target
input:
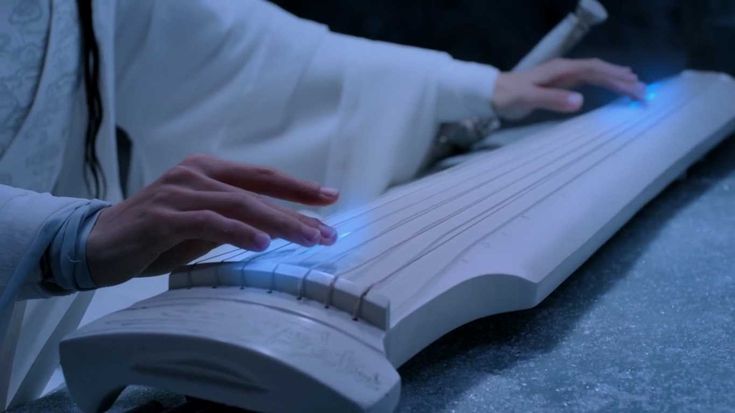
(215, 228)
(573, 73)
(265, 181)
(328, 234)
(594, 77)
(249, 208)
(556, 100)
(560, 70)
(608, 69)
(634, 90)
(628, 86)
(204, 195)
(177, 256)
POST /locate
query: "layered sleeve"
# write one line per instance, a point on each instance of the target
(33, 224)
(246, 81)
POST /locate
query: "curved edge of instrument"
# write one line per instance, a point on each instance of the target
(481, 296)
(239, 353)
(522, 269)
(300, 282)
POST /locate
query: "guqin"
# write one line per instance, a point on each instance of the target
(324, 329)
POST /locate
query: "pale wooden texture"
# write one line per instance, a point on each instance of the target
(520, 210)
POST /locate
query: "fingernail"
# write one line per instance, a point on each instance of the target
(312, 235)
(641, 90)
(328, 193)
(574, 100)
(329, 234)
(262, 241)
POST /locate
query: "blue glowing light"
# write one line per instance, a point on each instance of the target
(652, 87)
(652, 91)
(344, 234)
(651, 94)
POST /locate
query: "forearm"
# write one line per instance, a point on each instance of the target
(296, 96)
(389, 102)
(460, 89)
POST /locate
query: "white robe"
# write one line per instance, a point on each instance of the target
(242, 80)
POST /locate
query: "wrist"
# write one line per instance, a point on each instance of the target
(64, 265)
(102, 254)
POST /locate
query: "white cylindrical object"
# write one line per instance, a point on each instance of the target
(565, 35)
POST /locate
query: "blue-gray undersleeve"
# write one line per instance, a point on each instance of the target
(68, 249)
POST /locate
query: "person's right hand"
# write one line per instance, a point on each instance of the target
(197, 205)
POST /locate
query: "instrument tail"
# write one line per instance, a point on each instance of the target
(236, 352)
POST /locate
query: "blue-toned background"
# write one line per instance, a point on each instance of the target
(656, 37)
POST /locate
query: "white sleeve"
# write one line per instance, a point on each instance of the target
(30, 330)
(28, 222)
(247, 81)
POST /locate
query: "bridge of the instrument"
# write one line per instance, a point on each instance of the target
(308, 284)
(310, 329)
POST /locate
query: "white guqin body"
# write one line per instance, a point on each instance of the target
(323, 329)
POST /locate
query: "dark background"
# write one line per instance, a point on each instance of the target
(656, 37)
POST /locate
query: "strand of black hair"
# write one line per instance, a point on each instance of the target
(94, 176)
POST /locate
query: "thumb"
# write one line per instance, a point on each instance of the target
(556, 100)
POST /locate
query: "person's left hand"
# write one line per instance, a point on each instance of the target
(517, 94)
